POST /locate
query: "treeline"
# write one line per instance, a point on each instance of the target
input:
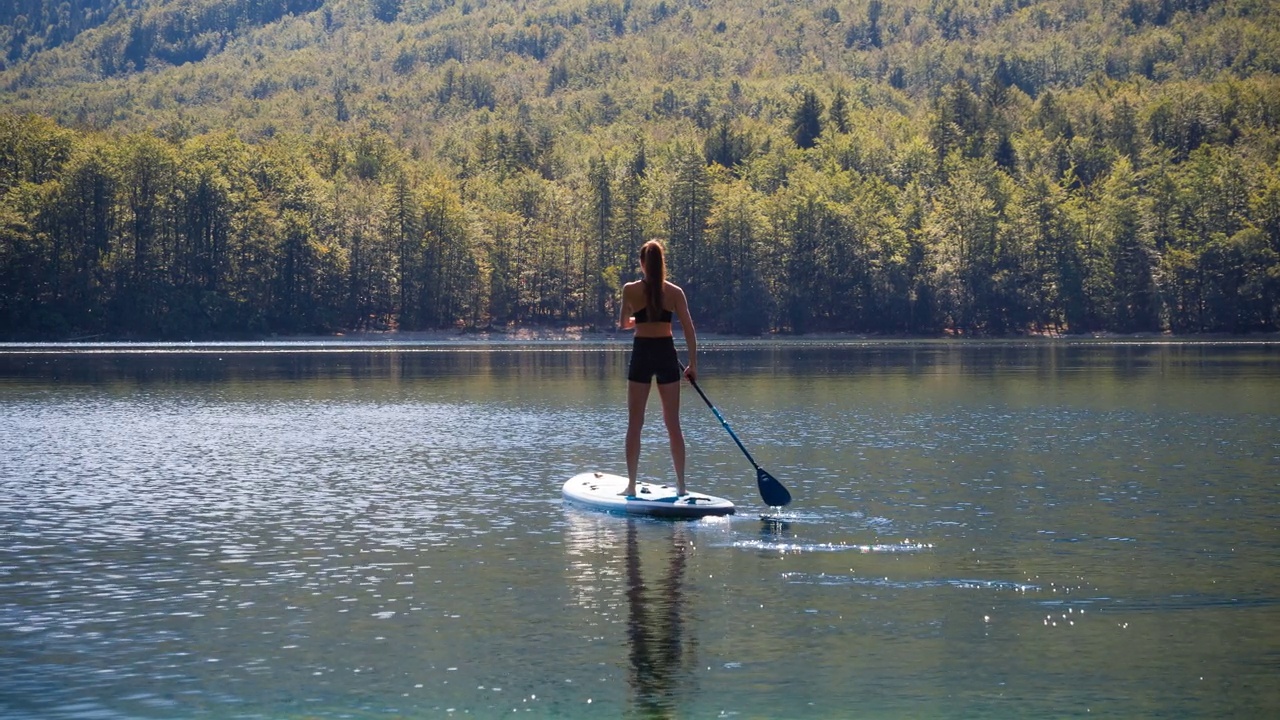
(1118, 210)
(136, 236)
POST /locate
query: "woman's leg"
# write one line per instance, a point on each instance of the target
(670, 394)
(637, 398)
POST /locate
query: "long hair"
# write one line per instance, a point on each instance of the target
(654, 261)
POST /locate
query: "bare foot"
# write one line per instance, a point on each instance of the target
(629, 492)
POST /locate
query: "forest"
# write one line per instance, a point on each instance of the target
(192, 169)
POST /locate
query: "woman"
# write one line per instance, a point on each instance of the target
(648, 305)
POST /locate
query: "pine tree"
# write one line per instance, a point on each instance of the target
(806, 120)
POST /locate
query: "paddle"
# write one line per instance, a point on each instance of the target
(772, 491)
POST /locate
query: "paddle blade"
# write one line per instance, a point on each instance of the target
(772, 491)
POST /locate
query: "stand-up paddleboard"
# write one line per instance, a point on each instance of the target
(600, 491)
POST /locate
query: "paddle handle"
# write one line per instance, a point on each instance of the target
(725, 423)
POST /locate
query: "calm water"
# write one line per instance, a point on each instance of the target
(982, 530)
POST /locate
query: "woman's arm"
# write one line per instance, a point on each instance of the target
(690, 335)
(625, 321)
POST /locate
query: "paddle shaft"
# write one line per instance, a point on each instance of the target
(771, 490)
(725, 423)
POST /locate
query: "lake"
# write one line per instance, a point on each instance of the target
(979, 530)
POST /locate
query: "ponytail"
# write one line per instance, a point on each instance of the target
(654, 262)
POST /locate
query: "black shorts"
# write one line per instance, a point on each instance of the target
(652, 357)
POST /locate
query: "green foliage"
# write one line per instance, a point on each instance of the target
(197, 167)
(28, 27)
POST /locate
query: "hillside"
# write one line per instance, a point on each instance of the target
(921, 166)
(403, 66)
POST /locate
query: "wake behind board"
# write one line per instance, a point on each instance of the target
(600, 491)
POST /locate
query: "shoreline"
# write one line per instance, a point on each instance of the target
(571, 337)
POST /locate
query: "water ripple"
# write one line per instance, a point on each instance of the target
(804, 547)
(802, 578)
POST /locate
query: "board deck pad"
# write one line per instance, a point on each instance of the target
(601, 491)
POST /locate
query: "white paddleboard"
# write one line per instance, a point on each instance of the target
(600, 491)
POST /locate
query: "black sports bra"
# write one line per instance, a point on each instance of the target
(642, 315)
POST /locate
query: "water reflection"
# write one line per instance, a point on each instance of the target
(635, 568)
(146, 367)
(662, 658)
(773, 527)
